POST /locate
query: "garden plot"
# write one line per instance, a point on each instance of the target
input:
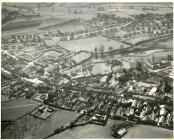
(45, 61)
(29, 53)
(48, 57)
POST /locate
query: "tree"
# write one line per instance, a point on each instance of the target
(95, 52)
(121, 49)
(169, 57)
(118, 37)
(121, 46)
(53, 9)
(80, 11)
(102, 50)
(124, 78)
(69, 10)
(139, 66)
(111, 50)
(41, 71)
(75, 11)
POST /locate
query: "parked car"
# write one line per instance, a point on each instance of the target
(119, 132)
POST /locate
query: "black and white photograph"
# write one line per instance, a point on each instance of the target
(86, 70)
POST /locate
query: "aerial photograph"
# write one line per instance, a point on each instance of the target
(86, 70)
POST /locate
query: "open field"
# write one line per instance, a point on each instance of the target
(162, 43)
(5, 98)
(138, 38)
(147, 55)
(52, 53)
(70, 15)
(21, 24)
(42, 23)
(47, 22)
(124, 12)
(49, 25)
(147, 131)
(101, 68)
(89, 44)
(71, 27)
(88, 131)
(159, 11)
(168, 43)
(15, 109)
(81, 57)
(30, 127)
(97, 131)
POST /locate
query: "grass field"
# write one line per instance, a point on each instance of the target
(101, 68)
(147, 55)
(21, 24)
(138, 38)
(30, 127)
(71, 28)
(155, 132)
(168, 43)
(164, 43)
(81, 57)
(89, 44)
(52, 53)
(51, 21)
(15, 109)
(101, 132)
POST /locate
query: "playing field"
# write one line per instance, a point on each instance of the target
(89, 44)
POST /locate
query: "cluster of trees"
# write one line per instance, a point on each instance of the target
(105, 16)
(101, 9)
(75, 11)
(8, 15)
(99, 50)
(138, 73)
